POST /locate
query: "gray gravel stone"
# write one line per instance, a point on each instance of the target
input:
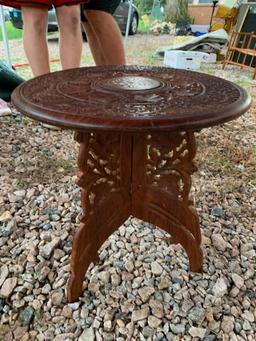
(87, 335)
(156, 308)
(219, 242)
(177, 329)
(237, 327)
(8, 287)
(26, 316)
(246, 325)
(196, 315)
(154, 322)
(220, 288)
(227, 324)
(104, 276)
(156, 268)
(238, 280)
(140, 314)
(145, 293)
(4, 272)
(197, 332)
(217, 212)
(48, 248)
(147, 332)
(57, 297)
(164, 283)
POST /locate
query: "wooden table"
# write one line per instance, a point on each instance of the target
(135, 127)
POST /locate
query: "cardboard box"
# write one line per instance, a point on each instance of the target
(188, 60)
(200, 28)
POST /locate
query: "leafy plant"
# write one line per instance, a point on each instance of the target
(177, 10)
(12, 32)
(145, 6)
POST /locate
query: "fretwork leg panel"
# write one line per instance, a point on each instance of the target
(144, 175)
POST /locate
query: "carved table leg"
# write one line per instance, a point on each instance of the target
(146, 175)
(162, 168)
(105, 164)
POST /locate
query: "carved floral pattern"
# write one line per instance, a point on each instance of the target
(99, 162)
(81, 92)
(145, 175)
(169, 162)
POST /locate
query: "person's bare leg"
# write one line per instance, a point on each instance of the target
(108, 35)
(94, 44)
(70, 35)
(34, 39)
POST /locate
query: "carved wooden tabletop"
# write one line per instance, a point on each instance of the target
(130, 98)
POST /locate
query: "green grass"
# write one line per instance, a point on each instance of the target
(243, 81)
(12, 32)
(67, 165)
(143, 27)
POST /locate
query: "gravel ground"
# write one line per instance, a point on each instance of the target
(141, 289)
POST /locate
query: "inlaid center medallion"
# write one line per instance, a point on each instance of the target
(129, 83)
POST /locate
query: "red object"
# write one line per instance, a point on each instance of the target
(40, 3)
(27, 64)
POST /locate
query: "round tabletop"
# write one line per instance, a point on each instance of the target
(130, 98)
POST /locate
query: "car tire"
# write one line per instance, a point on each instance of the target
(133, 25)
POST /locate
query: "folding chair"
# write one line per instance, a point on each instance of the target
(242, 50)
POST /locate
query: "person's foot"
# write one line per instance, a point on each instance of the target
(4, 109)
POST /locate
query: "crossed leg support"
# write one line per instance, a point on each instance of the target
(144, 175)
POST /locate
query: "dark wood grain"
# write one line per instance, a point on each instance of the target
(129, 98)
